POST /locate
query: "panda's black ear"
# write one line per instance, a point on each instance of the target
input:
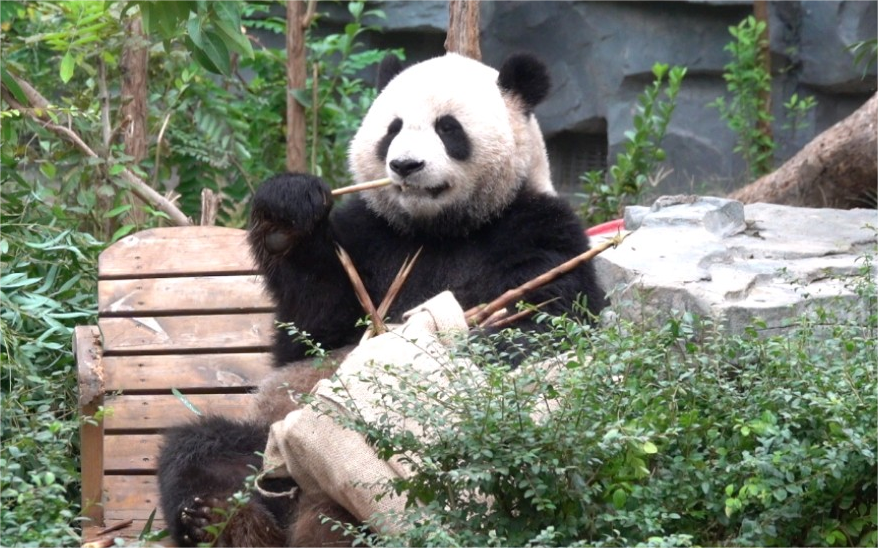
(390, 66)
(525, 76)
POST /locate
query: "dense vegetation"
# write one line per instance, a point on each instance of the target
(681, 435)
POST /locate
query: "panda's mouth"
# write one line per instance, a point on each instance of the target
(432, 191)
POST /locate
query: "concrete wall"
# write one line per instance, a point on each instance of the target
(600, 56)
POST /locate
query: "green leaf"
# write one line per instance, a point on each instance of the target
(13, 87)
(116, 211)
(67, 65)
(215, 50)
(234, 39)
(186, 402)
(121, 232)
(619, 498)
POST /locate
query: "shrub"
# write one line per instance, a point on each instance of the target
(48, 285)
(633, 436)
(607, 194)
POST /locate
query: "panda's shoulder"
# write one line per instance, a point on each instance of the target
(544, 218)
(352, 214)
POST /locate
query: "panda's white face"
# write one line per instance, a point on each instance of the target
(455, 146)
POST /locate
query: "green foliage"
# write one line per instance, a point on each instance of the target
(342, 98)
(606, 195)
(206, 130)
(627, 435)
(749, 84)
(48, 284)
(212, 29)
(865, 53)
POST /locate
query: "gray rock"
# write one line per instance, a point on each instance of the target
(734, 263)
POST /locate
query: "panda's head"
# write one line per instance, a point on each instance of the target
(457, 138)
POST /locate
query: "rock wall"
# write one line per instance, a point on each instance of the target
(600, 55)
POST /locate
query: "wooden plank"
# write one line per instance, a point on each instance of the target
(186, 372)
(130, 533)
(130, 497)
(135, 452)
(90, 368)
(178, 251)
(186, 333)
(158, 412)
(182, 295)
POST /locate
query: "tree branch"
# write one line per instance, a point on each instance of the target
(136, 184)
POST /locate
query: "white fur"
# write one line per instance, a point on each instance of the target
(507, 145)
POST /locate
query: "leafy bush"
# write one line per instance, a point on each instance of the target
(607, 194)
(749, 83)
(48, 286)
(633, 436)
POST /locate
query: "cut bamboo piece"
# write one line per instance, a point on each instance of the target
(362, 186)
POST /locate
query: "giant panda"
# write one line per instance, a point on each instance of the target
(470, 186)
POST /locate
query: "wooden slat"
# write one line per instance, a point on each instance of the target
(135, 452)
(131, 532)
(130, 497)
(182, 295)
(178, 251)
(89, 365)
(186, 372)
(156, 412)
(182, 333)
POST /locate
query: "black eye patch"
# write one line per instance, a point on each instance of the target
(384, 144)
(453, 136)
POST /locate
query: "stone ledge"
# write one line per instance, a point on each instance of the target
(719, 258)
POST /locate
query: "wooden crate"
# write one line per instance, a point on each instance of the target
(178, 308)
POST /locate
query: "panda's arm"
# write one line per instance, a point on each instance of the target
(544, 232)
(292, 237)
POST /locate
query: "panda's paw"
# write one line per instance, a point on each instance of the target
(286, 208)
(197, 517)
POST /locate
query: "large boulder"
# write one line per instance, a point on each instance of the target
(721, 259)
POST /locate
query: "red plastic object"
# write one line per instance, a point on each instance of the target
(605, 228)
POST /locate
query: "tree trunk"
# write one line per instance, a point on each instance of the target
(463, 29)
(135, 63)
(837, 169)
(296, 76)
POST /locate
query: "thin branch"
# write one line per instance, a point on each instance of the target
(309, 14)
(136, 184)
(158, 149)
(104, 97)
(479, 314)
(314, 109)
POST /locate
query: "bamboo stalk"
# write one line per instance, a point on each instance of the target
(397, 283)
(361, 186)
(360, 290)
(479, 314)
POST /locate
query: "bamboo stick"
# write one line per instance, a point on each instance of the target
(479, 314)
(378, 183)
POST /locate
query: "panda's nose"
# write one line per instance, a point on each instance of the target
(406, 167)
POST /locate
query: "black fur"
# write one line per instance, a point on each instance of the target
(454, 137)
(384, 144)
(203, 463)
(535, 233)
(525, 76)
(389, 67)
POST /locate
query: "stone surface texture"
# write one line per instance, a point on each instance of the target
(719, 258)
(600, 55)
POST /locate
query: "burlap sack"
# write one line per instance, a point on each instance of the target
(322, 456)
